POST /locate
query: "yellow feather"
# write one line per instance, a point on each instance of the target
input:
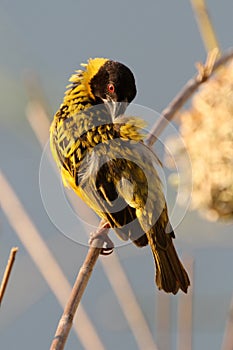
(92, 69)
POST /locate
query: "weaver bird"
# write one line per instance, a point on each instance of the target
(102, 157)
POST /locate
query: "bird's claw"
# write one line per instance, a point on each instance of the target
(102, 233)
(106, 251)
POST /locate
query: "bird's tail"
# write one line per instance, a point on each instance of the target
(170, 273)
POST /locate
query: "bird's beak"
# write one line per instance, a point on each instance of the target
(115, 108)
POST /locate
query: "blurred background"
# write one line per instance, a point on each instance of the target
(41, 45)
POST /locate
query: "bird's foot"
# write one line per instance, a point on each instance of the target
(102, 233)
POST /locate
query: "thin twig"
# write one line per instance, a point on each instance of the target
(7, 272)
(205, 25)
(82, 279)
(204, 73)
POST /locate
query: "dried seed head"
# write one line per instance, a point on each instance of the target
(207, 131)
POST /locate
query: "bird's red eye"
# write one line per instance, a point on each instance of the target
(111, 88)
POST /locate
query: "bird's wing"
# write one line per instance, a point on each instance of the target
(119, 181)
(115, 176)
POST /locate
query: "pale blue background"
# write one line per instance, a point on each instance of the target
(160, 41)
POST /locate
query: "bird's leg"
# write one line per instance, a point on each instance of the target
(102, 232)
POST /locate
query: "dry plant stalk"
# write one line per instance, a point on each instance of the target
(205, 72)
(205, 25)
(84, 274)
(7, 272)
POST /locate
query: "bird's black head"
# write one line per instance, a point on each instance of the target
(114, 85)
